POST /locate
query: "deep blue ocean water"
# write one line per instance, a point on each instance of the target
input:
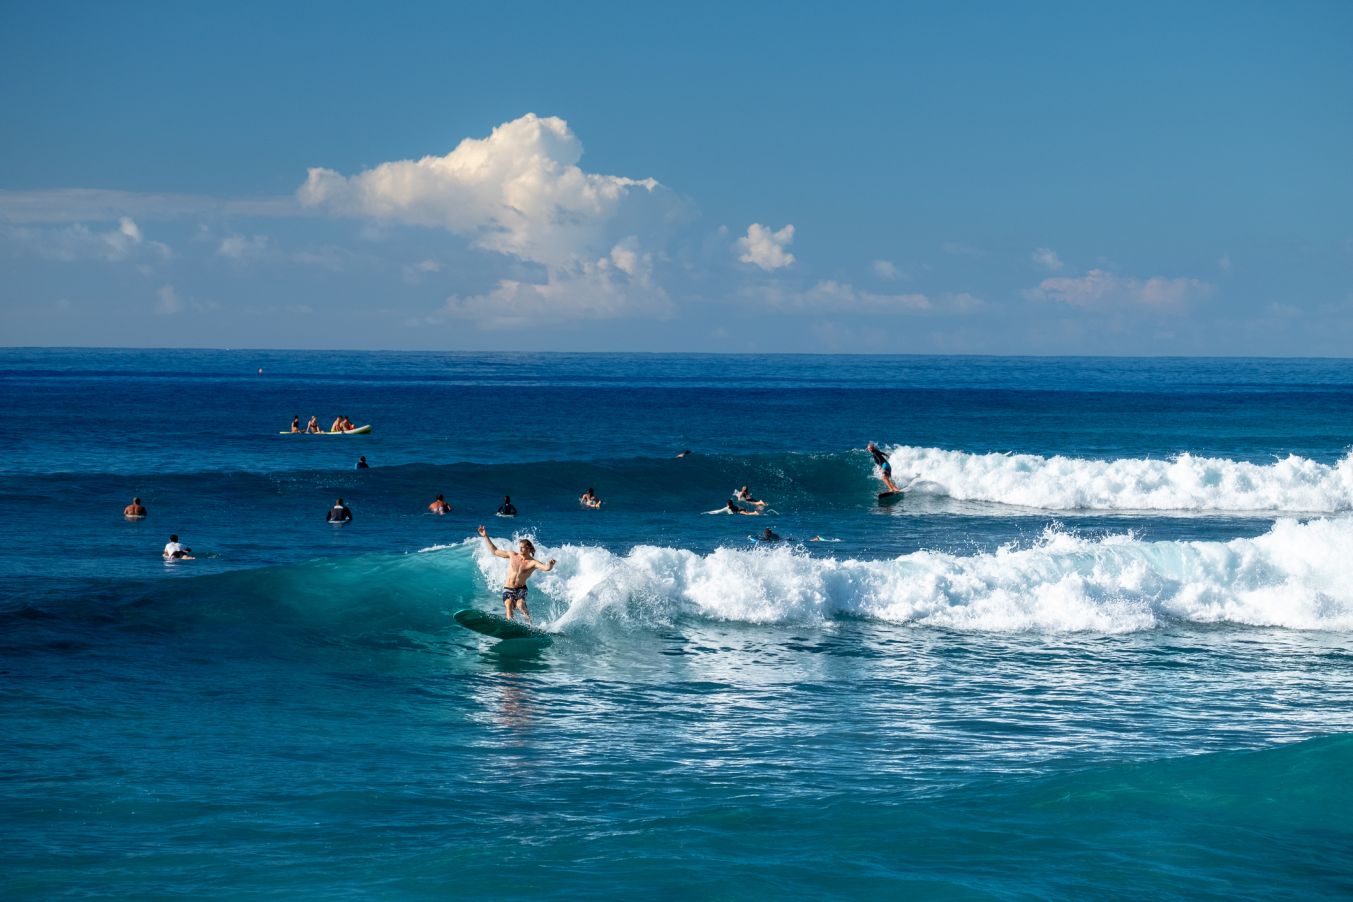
(1100, 648)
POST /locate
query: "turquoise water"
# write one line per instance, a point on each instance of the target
(1101, 648)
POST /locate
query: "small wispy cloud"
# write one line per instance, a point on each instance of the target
(887, 270)
(1100, 289)
(79, 242)
(1047, 258)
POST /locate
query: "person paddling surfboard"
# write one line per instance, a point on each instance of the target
(520, 565)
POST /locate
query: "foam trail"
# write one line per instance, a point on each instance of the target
(1294, 576)
(1183, 483)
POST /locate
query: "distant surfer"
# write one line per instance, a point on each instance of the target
(362, 464)
(174, 551)
(520, 565)
(683, 454)
(769, 535)
(507, 508)
(589, 499)
(339, 513)
(731, 508)
(313, 425)
(439, 506)
(296, 423)
(885, 468)
(134, 511)
(744, 495)
(342, 424)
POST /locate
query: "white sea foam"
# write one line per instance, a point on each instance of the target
(1183, 483)
(1296, 576)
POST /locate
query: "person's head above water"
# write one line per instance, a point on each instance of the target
(439, 497)
(507, 499)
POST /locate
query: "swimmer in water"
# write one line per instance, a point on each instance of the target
(769, 535)
(439, 506)
(885, 468)
(589, 499)
(507, 508)
(135, 510)
(362, 464)
(339, 513)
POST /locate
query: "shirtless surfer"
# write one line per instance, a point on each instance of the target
(135, 510)
(313, 426)
(589, 499)
(885, 468)
(520, 565)
(731, 508)
(439, 506)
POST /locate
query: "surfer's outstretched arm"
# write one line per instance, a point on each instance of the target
(498, 552)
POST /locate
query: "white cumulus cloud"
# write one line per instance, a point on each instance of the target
(766, 249)
(519, 191)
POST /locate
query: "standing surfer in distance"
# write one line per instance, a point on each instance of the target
(135, 510)
(339, 513)
(885, 468)
(520, 565)
(507, 508)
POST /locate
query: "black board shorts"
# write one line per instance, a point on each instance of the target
(511, 594)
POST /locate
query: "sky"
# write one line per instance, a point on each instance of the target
(1039, 178)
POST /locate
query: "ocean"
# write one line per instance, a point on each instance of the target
(1100, 648)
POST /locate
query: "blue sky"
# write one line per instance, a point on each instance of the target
(992, 178)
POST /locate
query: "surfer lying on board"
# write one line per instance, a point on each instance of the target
(520, 565)
(134, 511)
(734, 509)
(885, 468)
(439, 506)
(339, 513)
(589, 499)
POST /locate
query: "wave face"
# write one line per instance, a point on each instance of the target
(1293, 576)
(1182, 483)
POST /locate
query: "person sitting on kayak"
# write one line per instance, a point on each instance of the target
(313, 425)
(296, 423)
